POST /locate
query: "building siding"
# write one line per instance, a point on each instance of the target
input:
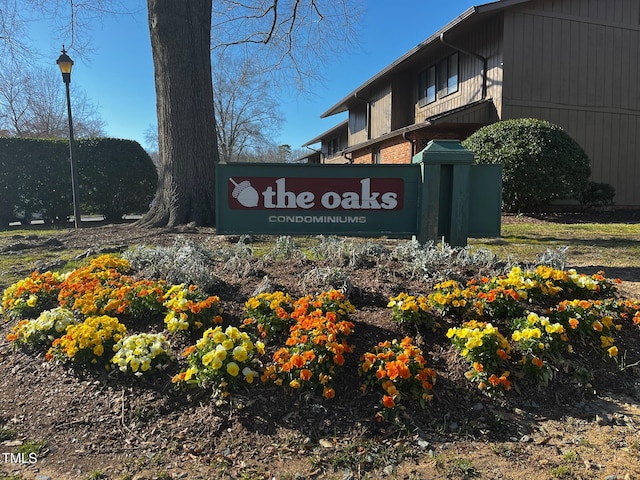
(572, 62)
(486, 42)
(358, 124)
(575, 63)
(380, 104)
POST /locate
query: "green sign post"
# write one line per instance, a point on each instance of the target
(440, 195)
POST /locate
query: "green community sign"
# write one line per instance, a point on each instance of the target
(317, 199)
(357, 200)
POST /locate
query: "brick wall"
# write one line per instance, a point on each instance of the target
(399, 150)
(362, 156)
(396, 151)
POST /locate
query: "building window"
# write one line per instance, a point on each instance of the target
(427, 86)
(333, 147)
(446, 74)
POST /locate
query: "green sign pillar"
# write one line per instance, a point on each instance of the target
(446, 171)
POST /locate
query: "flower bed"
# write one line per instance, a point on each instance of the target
(502, 327)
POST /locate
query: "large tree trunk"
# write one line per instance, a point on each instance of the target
(180, 41)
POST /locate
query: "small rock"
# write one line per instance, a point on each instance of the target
(42, 477)
(324, 443)
(347, 475)
(423, 444)
(11, 443)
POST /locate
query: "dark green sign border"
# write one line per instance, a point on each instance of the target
(231, 218)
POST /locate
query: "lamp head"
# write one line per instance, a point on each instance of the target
(65, 63)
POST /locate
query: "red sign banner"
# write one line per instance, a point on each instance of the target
(331, 194)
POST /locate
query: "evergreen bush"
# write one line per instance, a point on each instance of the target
(540, 162)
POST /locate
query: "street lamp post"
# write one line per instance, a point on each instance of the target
(65, 63)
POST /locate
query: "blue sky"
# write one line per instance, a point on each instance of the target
(118, 76)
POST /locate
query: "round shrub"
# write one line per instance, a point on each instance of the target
(540, 162)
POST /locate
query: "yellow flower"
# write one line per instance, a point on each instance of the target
(613, 351)
(249, 374)
(473, 342)
(146, 364)
(240, 354)
(208, 357)
(98, 350)
(606, 342)
(233, 333)
(135, 364)
(220, 352)
(218, 335)
(191, 371)
(295, 384)
(233, 369)
(607, 321)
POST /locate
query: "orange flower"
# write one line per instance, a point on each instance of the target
(328, 392)
(297, 360)
(502, 354)
(188, 351)
(392, 370)
(338, 359)
(597, 326)
(573, 323)
(404, 371)
(584, 304)
(537, 362)
(305, 374)
(478, 367)
(388, 401)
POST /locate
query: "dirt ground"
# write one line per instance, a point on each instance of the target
(95, 426)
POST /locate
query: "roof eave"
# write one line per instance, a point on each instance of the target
(343, 105)
(326, 133)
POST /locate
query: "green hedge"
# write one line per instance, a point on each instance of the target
(115, 177)
(540, 162)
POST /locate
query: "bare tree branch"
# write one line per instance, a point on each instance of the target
(300, 35)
